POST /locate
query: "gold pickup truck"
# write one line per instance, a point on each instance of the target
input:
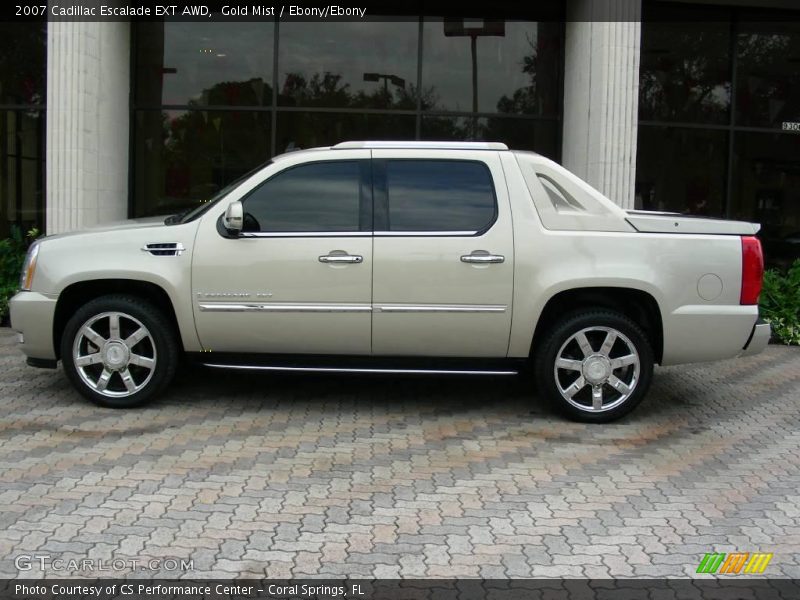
(397, 257)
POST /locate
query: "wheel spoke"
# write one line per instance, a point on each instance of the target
(136, 337)
(113, 326)
(94, 337)
(583, 342)
(102, 383)
(624, 361)
(569, 364)
(130, 385)
(89, 359)
(123, 370)
(576, 386)
(597, 397)
(608, 343)
(142, 361)
(606, 358)
(619, 385)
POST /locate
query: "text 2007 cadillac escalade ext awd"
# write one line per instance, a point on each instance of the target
(398, 257)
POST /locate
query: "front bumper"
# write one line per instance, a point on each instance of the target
(32, 316)
(759, 338)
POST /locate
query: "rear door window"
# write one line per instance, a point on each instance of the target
(455, 196)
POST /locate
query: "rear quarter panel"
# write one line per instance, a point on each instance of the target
(666, 266)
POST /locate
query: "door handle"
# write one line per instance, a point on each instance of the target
(483, 258)
(341, 258)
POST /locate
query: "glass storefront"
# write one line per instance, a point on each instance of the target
(183, 154)
(213, 101)
(23, 57)
(719, 104)
(719, 94)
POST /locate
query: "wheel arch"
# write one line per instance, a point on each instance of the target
(638, 305)
(79, 293)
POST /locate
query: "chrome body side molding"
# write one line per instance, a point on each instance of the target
(281, 307)
(348, 308)
(442, 308)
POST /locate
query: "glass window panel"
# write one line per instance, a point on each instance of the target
(681, 170)
(23, 58)
(323, 196)
(517, 66)
(349, 64)
(21, 170)
(439, 195)
(685, 69)
(766, 190)
(518, 134)
(768, 73)
(204, 63)
(308, 130)
(182, 158)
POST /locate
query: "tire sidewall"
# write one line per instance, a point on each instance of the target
(159, 328)
(544, 362)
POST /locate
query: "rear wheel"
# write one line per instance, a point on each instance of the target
(119, 351)
(594, 366)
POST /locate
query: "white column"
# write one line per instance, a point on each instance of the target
(88, 85)
(601, 94)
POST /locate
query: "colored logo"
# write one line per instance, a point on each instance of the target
(734, 563)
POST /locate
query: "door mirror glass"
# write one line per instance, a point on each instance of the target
(233, 220)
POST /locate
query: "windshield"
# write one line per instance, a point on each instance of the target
(192, 213)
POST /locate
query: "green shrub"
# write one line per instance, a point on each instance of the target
(780, 303)
(12, 255)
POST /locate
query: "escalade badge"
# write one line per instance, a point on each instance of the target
(233, 294)
(224, 295)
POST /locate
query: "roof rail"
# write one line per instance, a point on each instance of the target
(422, 145)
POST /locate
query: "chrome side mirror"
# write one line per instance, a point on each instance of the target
(233, 220)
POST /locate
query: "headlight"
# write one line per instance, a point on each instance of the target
(29, 268)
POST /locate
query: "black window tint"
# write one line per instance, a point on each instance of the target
(439, 195)
(320, 196)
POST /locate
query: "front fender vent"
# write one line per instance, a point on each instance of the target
(164, 249)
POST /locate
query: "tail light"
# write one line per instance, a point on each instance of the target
(752, 270)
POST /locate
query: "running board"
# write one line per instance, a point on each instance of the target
(362, 370)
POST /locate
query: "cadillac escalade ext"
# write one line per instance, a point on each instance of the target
(395, 257)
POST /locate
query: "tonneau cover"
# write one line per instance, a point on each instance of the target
(661, 222)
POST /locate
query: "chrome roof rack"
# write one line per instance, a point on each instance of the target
(374, 145)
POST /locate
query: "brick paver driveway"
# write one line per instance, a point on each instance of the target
(285, 476)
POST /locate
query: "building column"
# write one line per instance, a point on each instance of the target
(88, 86)
(601, 94)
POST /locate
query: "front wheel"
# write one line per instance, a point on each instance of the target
(119, 351)
(594, 366)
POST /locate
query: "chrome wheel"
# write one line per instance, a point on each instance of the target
(597, 369)
(114, 354)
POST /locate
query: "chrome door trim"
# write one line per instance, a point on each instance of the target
(285, 234)
(442, 308)
(362, 370)
(424, 233)
(281, 307)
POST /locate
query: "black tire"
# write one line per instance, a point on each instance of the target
(160, 346)
(613, 402)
